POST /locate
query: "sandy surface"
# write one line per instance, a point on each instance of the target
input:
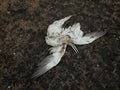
(23, 26)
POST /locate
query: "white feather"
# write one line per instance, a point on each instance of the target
(74, 32)
(55, 29)
(89, 38)
(74, 47)
(51, 60)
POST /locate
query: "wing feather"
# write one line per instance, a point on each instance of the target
(56, 27)
(50, 61)
(90, 37)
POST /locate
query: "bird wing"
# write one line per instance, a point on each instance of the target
(56, 27)
(51, 60)
(89, 38)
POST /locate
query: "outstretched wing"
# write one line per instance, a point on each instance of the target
(51, 60)
(56, 27)
(89, 38)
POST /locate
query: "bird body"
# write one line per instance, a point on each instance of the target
(59, 37)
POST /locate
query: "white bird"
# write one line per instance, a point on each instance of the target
(59, 37)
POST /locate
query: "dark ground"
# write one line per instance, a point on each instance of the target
(23, 26)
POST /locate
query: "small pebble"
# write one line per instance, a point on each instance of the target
(98, 65)
(9, 87)
(14, 53)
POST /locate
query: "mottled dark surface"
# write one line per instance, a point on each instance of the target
(23, 26)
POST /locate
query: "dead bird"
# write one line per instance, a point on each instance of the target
(59, 37)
